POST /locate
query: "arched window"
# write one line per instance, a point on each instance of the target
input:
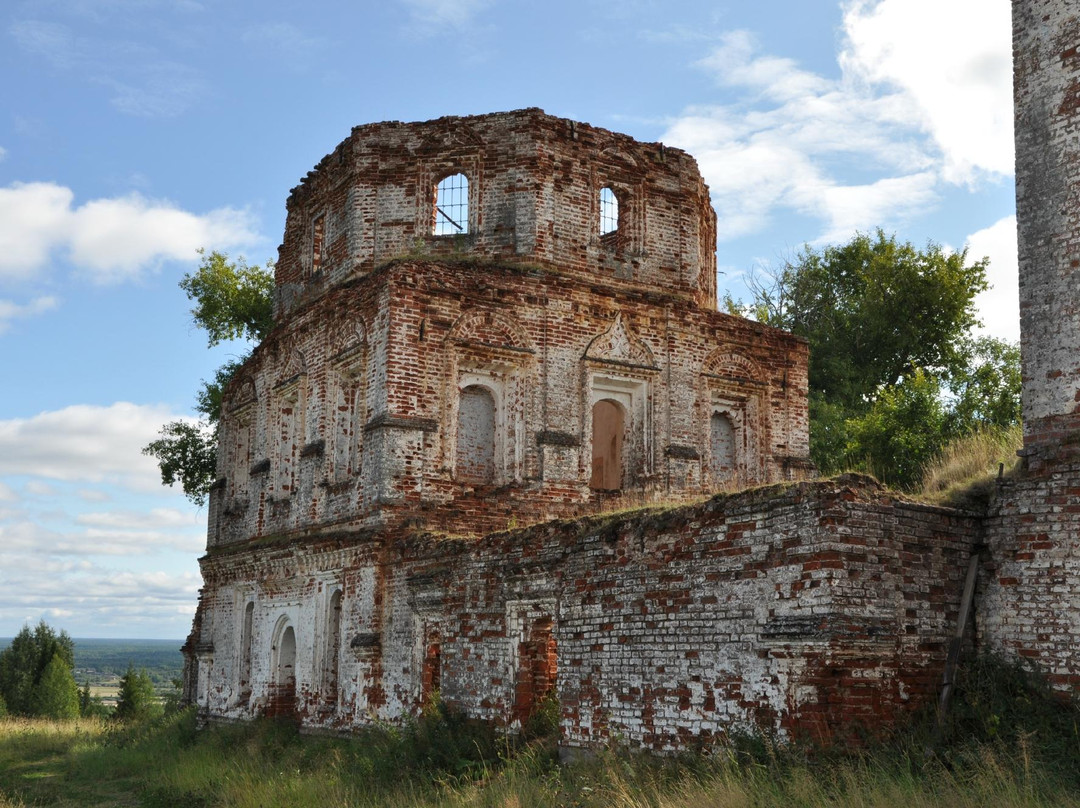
(609, 211)
(476, 435)
(245, 651)
(283, 697)
(333, 649)
(608, 425)
(722, 447)
(452, 206)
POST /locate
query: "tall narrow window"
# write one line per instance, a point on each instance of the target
(608, 424)
(318, 232)
(245, 652)
(609, 211)
(538, 668)
(432, 671)
(283, 698)
(333, 649)
(476, 435)
(452, 206)
(722, 447)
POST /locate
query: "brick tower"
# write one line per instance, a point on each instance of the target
(1031, 606)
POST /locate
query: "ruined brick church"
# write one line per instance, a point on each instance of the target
(493, 332)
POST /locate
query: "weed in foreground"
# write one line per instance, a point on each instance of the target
(1008, 742)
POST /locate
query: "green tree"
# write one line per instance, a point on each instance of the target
(986, 391)
(56, 695)
(232, 301)
(3, 708)
(23, 663)
(136, 700)
(901, 432)
(873, 310)
(888, 326)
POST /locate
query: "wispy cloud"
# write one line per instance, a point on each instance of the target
(3, 153)
(10, 310)
(428, 17)
(904, 124)
(284, 39)
(164, 90)
(109, 240)
(142, 83)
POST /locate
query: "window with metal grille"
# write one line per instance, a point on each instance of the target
(609, 211)
(452, 206)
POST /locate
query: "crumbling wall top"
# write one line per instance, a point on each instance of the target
(519, 186)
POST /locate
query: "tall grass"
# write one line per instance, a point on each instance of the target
(963, 473)
(1008, 742)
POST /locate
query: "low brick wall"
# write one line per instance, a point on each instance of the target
(811, 608)
(816, 608)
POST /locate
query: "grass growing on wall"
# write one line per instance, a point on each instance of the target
(963, 474)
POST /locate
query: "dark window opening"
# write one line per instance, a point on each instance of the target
(333, 649)
(538, 668)
(318, 230)
(245, 652)
(431, 681)
(282, 700)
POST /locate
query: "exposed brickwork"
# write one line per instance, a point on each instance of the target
(817, 608)
(356, 563)
(348, 414)
(534, 194)
(1029, 606)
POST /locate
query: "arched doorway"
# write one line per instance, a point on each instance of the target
(282, 701)
(608, 426)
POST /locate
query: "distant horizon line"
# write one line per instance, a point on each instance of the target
(117, 639)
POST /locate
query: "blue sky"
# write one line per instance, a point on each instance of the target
(133, 132)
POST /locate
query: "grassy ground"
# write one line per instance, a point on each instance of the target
(1007, 744)
(168, 764)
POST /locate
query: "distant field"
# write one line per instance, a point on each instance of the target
(102, 662)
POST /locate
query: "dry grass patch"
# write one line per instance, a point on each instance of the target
(963, 474)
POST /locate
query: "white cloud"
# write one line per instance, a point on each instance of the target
(13, 311)
(37, 488)
(108, 239)
(923, 99)
(433, 16)
(7, 494)
(999, 307)
(85, 443)
(954, 60)
(3, 153)
(86, 598)
(130, 520)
